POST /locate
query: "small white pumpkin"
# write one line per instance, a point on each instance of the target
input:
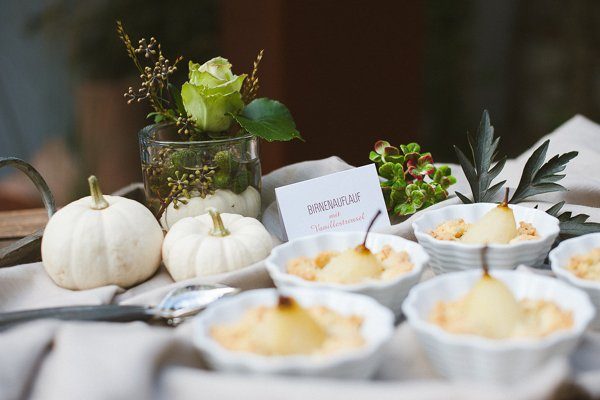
(214, 243)
(246, 203)
(101, 240)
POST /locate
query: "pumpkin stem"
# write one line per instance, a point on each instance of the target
(98, 200)
(218, 227)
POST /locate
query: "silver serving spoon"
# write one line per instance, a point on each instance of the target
(178, 304)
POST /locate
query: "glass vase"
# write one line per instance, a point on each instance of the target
(184, 178)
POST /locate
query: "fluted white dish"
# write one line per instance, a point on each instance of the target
(390, 292)
(559, 259)
(473, 357)
(448, 256)
(377, 329)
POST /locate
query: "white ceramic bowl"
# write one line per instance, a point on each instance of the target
(473, 357)
(391, 293)
(449, 256)
(559, 259)
(377, 329)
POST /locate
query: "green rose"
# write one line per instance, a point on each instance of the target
(212, 91)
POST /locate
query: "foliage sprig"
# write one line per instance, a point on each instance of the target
(538, 177)
(480, 173)
(154, 69)
(410, 179)
(572, 225)
(213, 102)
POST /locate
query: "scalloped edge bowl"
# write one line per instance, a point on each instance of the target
(473, 357)
(449, 256)
(361, 363)
(559, 258)
(391, 293)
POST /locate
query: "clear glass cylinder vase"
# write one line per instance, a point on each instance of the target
(184, 178)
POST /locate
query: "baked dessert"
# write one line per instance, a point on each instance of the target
(586, 266)
(352, 266)
(455, 229)
(491, 310)
(290, 329)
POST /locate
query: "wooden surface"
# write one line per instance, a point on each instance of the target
(15, 225)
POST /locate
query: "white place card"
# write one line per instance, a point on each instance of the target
(343, 201)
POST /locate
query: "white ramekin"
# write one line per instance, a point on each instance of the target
(448, 256)
(472, 357)
(559, 259)
(391, 293)
(377, 329)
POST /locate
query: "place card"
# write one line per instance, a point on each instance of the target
(343, 201)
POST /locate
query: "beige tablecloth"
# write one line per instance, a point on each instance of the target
(78, 360)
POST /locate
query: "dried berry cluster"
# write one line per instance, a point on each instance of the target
(154, 75)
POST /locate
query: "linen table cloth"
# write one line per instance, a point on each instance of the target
(50, 359)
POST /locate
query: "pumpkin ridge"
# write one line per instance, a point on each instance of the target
(106, 249)
(125, 217)
(78, 234)
(52, 265)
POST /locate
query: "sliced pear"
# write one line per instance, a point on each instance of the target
(497, 226)
(351, 266)
(490, 308)
(288, 329)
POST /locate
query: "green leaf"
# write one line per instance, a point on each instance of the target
(572, 225)
(158, 116)
(387, 171)
(492, 190)
(373, 156)
(176, 95)
(464, 198)
(555, 209)
(410, 148)
(380, 146)
(268, 119)
(397, 196)
(395, 158)
(405, 209)
(479, 172)
(537, 177)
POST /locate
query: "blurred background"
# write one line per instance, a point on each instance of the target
(350, 71)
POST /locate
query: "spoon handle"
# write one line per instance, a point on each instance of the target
(107, 312)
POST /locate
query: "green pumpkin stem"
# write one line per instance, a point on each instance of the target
(218, 227)
(98, 200)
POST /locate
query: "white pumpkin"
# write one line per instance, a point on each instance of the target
(101, 240)
(214, 243)
(246, 203)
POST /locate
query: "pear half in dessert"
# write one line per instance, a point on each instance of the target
(353, 265)
(289, 329)
(490, 308)
(497, 226)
